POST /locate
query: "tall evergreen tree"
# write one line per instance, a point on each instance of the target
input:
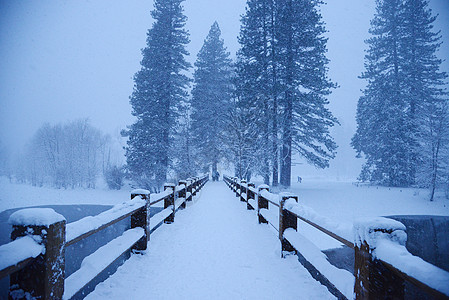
(211, 97)
(404, 82)
(282, 71)
(254, 86)
(159, 89)
(303, 78)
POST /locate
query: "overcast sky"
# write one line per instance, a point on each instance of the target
(63, 60)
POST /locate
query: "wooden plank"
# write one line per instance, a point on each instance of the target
(18, 266)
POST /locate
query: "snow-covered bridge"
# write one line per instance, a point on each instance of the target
(215, 248)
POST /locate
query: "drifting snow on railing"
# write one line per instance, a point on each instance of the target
(87, 226)
(382, 262)
(40, 236)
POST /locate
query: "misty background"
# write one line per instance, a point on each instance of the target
(65, 60)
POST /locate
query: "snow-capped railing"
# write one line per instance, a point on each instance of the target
(382, 263)
(35, 259)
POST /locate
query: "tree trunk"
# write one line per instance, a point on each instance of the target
(286, 156)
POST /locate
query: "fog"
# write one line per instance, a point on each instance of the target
(65, 60)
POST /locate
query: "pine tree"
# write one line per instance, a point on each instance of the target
(305, 118)
(403, 83)
(211, 96)
(159, 90)
(281, 72)
(257, 81)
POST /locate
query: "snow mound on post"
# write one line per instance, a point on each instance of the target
(263, 186)
(140, 192)
(35, 216)
(374, 230)
(270, 196)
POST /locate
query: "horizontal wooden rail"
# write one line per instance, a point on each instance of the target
(104, 226)
(328, 232)
(17, 267)
(429, 290)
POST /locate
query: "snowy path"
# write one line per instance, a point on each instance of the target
(214, 250)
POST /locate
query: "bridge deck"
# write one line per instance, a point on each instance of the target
(214, 250)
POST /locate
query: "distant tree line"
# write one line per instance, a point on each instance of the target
(68, 155)
(402, 116)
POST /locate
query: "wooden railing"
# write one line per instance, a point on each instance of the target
(382, 264)
(35, 259)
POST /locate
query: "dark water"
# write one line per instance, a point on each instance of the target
(77, 252)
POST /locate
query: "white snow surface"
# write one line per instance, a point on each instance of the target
(35, 216)
(215, 249)
(140, 191)
(342, 203)
(341, 279)
(93, 264)
(13, 195)
(159, 217)
(398, 256)
(158, 196)
(342, 229)
(370, 230)
(84, 225)
(19, 250)
(270, 196)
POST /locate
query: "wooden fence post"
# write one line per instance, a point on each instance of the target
(250, 195)
(195, 185)
(243, 190)
(189, 189)
(373, 280)
(43, 278)
(141, 218)
(170, 201)
(238, 188)
(262, 202)
(286, 220)
(182, 193)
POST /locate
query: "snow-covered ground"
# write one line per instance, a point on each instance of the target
(14, 195)
(344, 201)
(215, 249)
(339, 201)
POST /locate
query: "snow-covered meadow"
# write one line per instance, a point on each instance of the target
(338, 201)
